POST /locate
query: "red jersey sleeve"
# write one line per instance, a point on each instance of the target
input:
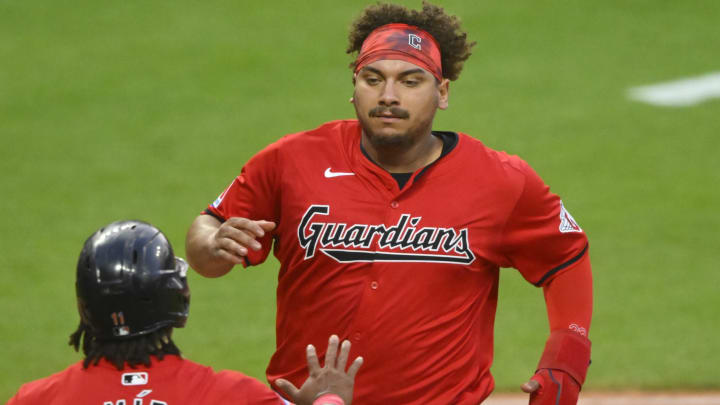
(253, 195)
(540, 237)
(35, 392)
(14, 400)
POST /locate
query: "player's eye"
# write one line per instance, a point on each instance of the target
(412, 81)
(372, 80)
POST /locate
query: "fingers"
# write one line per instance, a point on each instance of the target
(246, 224)
(288, 388)
(236, 235)
(552, 387)
(332, 360)
(228, 257)
(344, 353)
(530, 386)
(235, 232)
(256, 228)
(312, 360)
(331, 353)
(267, 226)
(354, 367)
(229, 246)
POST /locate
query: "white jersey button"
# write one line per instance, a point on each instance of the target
(394, 204)
(374, 285)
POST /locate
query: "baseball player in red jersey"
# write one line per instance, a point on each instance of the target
(132, 291)
(405, 230)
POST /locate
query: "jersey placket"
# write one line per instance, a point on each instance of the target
(390, 196)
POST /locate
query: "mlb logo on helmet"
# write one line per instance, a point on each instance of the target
(140, 378)
(121, 330)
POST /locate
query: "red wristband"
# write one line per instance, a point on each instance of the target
(328, 399)
(567, 351)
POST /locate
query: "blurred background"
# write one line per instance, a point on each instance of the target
(147, 110)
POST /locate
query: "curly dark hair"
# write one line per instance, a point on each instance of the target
(133, 351)
(454, 46)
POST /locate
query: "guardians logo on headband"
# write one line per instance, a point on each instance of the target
(401, 42)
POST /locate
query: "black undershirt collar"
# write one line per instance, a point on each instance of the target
(449, 140)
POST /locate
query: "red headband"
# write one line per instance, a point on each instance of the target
(401, 42)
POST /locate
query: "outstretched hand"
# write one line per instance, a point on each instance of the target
(331, 378)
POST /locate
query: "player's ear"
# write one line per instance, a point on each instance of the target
(443, 93)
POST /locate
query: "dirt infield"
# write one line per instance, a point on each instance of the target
(628, 398)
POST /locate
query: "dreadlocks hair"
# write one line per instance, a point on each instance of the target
(454, 46)
(133, 351)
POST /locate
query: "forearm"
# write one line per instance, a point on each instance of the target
(563, 365)
(198, 247)
(569, 306)
(569, 299)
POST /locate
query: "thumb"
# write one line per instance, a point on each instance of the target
(288, 388)
(530, 386)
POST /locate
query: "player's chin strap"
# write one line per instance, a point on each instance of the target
(568, 351)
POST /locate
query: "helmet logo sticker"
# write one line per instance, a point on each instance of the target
(120, 329)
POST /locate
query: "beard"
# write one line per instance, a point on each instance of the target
(404, 139)
(378, 139)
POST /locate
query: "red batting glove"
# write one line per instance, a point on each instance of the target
(561, 371)
(552, 387)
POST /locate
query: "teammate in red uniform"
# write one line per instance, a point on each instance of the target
(132, 291)
(405, 230)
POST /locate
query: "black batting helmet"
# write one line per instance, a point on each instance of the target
(129, 282)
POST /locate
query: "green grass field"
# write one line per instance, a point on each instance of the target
(147, 110)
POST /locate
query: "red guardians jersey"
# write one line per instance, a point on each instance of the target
(172, 381)
(409, 275)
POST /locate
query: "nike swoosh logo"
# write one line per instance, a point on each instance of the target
(329, 173)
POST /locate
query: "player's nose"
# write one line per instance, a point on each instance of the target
(388, 94)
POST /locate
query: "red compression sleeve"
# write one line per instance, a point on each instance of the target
(569, 305)
(569, 298)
